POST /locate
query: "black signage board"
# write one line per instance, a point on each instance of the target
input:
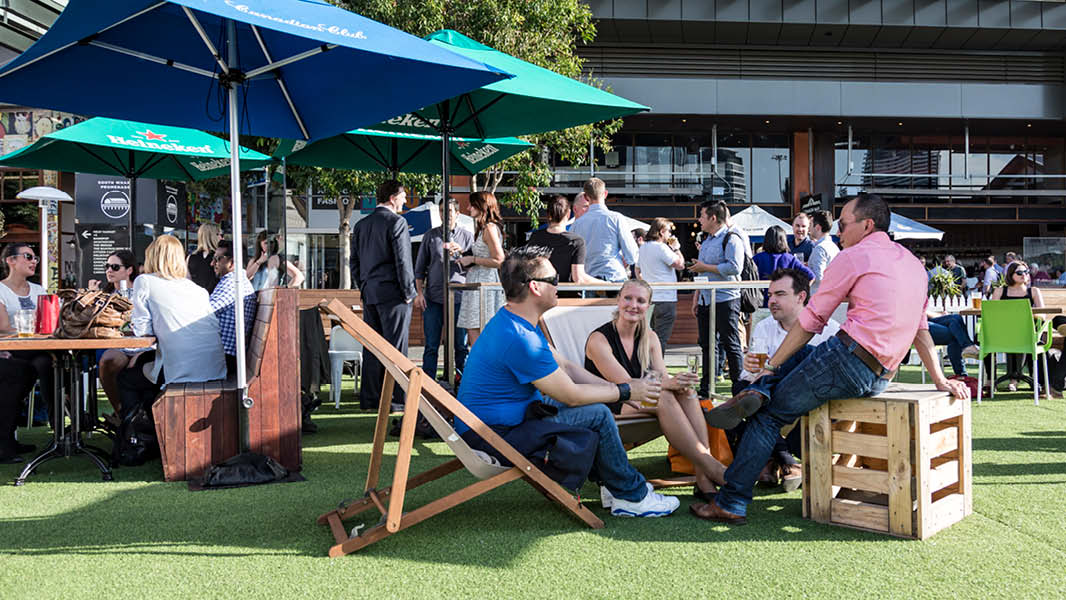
(813, 202)
(95, 244)
(102, 199)
(171, 205)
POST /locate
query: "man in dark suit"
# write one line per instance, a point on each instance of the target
(382, 270)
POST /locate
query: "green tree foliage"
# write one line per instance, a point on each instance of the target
(543, 32)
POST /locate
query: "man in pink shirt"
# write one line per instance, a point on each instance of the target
(885, 286)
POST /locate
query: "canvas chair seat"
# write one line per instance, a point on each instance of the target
(480, 464)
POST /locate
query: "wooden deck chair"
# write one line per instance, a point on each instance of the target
(567, 326)
(425, 396)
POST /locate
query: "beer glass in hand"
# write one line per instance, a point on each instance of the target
(692, 361)
(652, 379)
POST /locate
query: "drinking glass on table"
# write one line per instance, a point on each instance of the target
(25, 323)
(651, 376)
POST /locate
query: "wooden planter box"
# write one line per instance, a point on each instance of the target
(899, 463)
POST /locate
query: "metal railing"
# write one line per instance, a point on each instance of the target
(483, 288)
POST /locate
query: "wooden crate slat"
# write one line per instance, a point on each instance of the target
(874, 446)
(860, 514)
(900, 497)
(944, 475)
(867, 411)
(942, 409)
(943, 441)
(821, 455)
(945, 512)
(196, 430)
(860, 479)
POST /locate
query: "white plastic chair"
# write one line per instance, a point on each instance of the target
(342, 348)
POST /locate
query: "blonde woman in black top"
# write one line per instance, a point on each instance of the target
(623, 349)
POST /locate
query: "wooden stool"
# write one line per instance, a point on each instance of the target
(898, 463)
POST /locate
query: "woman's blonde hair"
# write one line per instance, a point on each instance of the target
(644, 340)
(165, 257)
(207, 238)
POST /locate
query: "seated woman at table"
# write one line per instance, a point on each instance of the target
(622, 349)
(1018, 287)
(178, 313)
(17, 293)
(120, 267)
(950, 330)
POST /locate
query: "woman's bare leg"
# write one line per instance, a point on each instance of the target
(690, 439)
(111, 364)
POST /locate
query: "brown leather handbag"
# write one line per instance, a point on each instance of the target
(92, 314)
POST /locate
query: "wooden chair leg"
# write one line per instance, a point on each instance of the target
(381, 428)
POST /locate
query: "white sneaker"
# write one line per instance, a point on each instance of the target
(653, 505)
(607, 498)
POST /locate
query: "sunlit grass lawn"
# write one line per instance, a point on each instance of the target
(68, 534)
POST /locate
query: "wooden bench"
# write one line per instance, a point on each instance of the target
(197, 423)
(898, 463)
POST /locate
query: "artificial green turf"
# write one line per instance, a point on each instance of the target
(67, 534)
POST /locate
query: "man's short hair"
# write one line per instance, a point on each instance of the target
(519, 268)
(872, 206)
(823, 219)
(452, 202)
(594, 188)
(388, 189)
(716, 209)
(226, 247)
(798, 215)
(800, 281)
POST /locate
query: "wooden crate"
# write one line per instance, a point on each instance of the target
(899, 463)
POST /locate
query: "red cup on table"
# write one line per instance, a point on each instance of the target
(47, 314)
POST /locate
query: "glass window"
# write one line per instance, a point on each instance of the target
(734, 168)
(612, 167)
(652, 161)
(769, 169)
(849, 185)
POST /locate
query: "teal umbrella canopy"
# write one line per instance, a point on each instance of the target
(370, 150)
(130, 149)
(533, 101)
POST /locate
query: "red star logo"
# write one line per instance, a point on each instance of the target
(461, 145)
(147, 133)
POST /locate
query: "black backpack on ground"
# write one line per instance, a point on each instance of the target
(750, 298)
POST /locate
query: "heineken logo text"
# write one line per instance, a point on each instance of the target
(210, 164)
(168, 146)
(480, 154)
(410, 120)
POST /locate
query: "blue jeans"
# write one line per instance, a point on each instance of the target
(432, 326)
(812, 377)
(611, 467)
(950, 331)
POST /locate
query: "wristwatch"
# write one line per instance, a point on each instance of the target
(623, 392)
(769, 367)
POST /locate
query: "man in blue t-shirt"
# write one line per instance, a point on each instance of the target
(512, 365)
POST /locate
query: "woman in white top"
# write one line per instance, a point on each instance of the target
(483, 263)
(660, 259)
(17, 293)
(265, 270)
(178, 313)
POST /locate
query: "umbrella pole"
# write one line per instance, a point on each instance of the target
(446, 235)
(238, 239)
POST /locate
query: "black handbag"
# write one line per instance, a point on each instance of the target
(750, 298)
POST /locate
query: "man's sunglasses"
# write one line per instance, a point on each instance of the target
(114, 267)
(553, 280)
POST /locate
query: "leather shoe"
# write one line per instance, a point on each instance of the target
(703, 496)
(712, 512)
(730, 413)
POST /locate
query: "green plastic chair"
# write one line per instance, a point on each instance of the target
(1008, 326)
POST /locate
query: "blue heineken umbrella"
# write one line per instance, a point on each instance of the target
(297, 69)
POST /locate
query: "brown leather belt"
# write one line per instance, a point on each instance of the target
(864, 355)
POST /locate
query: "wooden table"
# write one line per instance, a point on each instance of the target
(67, 441)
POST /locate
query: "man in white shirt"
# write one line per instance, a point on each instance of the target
(824, 248)
(788, 294)
(991, 274)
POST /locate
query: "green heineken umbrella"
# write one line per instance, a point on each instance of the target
(369, 150)
(533, 101)
(112, 147)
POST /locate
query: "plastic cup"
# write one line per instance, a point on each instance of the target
(762, 358)
(977, 303)
(651, 376)
(25, 323)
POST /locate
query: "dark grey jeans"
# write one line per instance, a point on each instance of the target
(663, 315)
